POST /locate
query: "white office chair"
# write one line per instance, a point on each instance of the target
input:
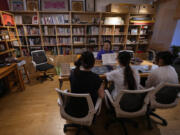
(164, 96)
(86, 119)
(128, 104)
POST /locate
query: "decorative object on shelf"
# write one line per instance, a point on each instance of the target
(90, 5)
(54, 5)
(114, 21)
(7, 20)
(77, 5)
(35, 19)
(32, 5)
(118, 8)
(17, 5)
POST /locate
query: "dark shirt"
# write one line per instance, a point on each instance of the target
(82, 82)
(99, 55)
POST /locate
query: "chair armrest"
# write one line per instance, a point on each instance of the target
(179, 95)
(59, 102)
(109, 96)
(34, 64)
(51, 59)
(98, 106)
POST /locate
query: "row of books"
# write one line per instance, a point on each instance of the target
(93, 30)
(64, 40)
(32, 30)
(119, 40)
(55, 19)
(49, 41)
(49, 30)
(92, 40)
(119, 31)
(78, 31)
(63, 31)
(26, 19)
(107, 31)
(34, 41)
(78, 40)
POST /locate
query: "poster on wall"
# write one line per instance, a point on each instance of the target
(17, 5)
(54, 5)
(77, 5)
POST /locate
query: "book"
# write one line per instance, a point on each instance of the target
(17, 5)
(65, 69)
(18, 19)
(35, 19)
(32, 5)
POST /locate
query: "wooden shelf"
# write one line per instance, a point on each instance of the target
(7, 51)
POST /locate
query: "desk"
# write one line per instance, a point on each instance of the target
(102, 76)
(5, 71)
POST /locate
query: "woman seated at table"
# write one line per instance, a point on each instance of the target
(165, 72)
(125, 77)
(83, 80)
(106, 49)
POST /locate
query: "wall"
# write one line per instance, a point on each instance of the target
(165, 25)
(176, 37)
(101, 4)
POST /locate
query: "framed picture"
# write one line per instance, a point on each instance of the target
(77, 5)
(90, 5)
(17, 5)
(32, 5)
(54, 5)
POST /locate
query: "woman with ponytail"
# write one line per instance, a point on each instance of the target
(125, 77)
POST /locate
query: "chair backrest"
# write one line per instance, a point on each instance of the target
(151, 55)
(39, 57)
(132, 103)
(129, 51)
(77, 108)
(165, 95)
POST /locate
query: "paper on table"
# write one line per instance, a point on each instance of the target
(65, 69)
(109, 58)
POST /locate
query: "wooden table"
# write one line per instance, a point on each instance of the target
(102, 76)
(5, 71)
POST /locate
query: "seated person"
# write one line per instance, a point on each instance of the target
(106, 49)
(125, 77)
(165, 72)
(83, 80)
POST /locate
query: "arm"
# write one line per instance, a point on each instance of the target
(150, 81)
(99, 56)
(101, 90)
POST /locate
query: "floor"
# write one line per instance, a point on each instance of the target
(35, 112)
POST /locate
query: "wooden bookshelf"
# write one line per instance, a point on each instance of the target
(9, 35)
(66, 39)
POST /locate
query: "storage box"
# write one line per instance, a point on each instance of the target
(134, 9)
(118, 8)
(147, 9)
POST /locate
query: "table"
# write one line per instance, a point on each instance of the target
(102, 76)
(5, 71)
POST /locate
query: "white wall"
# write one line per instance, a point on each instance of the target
(101, 4)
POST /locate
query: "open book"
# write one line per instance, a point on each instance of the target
(109, 58)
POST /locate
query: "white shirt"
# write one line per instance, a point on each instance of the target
(117, 76)
(162, 74)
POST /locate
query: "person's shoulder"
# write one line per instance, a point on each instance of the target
(116, 71)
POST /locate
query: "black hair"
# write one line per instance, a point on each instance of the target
(86, 60)
(166, 56)
(129, 80)
(109, 42)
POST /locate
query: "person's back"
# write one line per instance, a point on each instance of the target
(165, 72)
(124, 77)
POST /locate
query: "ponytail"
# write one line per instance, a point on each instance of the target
(78, 64)
(129, 78)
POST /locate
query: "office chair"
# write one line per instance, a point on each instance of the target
(152, 55)
(128, 104)
(164, 96)
(176, 65)
(129, 51)
(78, 109)
(39, 61)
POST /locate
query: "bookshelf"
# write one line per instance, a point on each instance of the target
(9, 38)
(69, 33)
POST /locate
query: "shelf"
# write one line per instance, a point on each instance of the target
(117, 43)
(33, 35)
(68, 45)
(50, 45)
(6, 27)
(8, 40)
(92, 35)
(49, 35)
(107, 35)
(78, 35)
(119, 34)
(8, 51)
(64, 35)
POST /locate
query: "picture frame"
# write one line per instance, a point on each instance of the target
(17, 5)
(77, 5)
(32, 5)
(54, 5)
(90, 5)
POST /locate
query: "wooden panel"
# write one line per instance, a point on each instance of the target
(177, 15)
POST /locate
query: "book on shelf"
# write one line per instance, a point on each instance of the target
(78, 31)
(25, 52)
(35, 19)
(63, 31)
(5, 34)
(119, 31)
(17, 5)
(34, 41)
(118, 39)
(78, 40)
(106, 31)
(2, 47)
(27, 19)
(15, 43)
(49, 30)
(12, 35)
(64, 40)
(92, 40)
(7, 19)
(23, 41)
(49, 41)
(32, 5)
(56, 19)
(20, 31)
(65, 50)
(79, 50)
(18, 19)
(92, 30)
(32, 30)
